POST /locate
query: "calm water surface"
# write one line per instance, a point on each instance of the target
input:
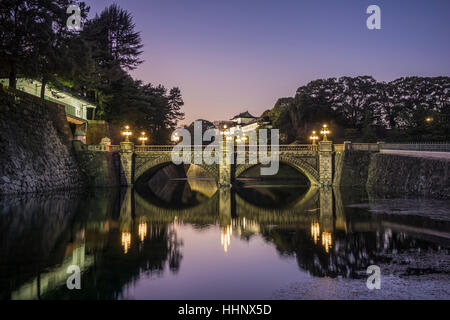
(189, 240)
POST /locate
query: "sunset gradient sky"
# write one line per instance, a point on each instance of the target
(231, 56)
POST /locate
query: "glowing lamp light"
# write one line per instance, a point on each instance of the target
(313, 137)
(175, 137)
(126, 241)
(429, 119)
(142, 231)
(326, 241)
(127, 133)
(225, 237)
(315, 231)
(325, 131)
(143, 138)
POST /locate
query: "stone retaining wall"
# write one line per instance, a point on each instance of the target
(35, 148)
(404, 175)
(99, 168)
(393, 175)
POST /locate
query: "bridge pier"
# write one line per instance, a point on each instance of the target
(127, 208)
(326, 163)
(226, 167)
(126, 163)
(225, 172)
(326, 209)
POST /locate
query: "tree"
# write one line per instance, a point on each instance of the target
(114, 40)
(115, 48)
(17, 31)
(174, 104)
(35, 39)
(355, 100)
(361, 108)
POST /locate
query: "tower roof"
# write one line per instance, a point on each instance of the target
(245, 114)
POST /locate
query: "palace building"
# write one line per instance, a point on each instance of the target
(245, 122)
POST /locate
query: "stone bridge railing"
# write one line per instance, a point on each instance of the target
(281, 148)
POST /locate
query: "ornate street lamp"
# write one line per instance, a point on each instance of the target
(313, 138)
(175, 137)
(143, 138)
(127, 133)
(324, 132)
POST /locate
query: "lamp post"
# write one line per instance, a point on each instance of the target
(127, 133)
(324, 132)
(225, 133)
(313, 138)
(143, 138)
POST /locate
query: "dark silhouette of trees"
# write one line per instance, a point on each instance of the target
(36, 43)
(360, 108)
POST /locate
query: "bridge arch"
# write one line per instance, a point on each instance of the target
(146, 162)
(304, 167)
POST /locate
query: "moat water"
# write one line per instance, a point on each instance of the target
(186, 239)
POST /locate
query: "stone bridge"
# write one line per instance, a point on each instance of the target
(315, 162)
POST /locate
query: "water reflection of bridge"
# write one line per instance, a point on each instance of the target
(226, 205)
(320, 209)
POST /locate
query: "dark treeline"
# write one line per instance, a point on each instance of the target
(93, 62)
(362, 109)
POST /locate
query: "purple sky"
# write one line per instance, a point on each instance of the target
(231, 56)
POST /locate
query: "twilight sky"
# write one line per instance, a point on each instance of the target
(236, 55)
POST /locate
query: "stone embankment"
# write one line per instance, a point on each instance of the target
(394, 174)
(35, 146)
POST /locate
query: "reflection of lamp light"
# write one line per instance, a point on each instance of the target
(326, 241)
(315, 231)
(313, 137)
(143, 138)
(225, 237)
(142, 230)
(127, 133)
(126, 241)
(324, 132)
